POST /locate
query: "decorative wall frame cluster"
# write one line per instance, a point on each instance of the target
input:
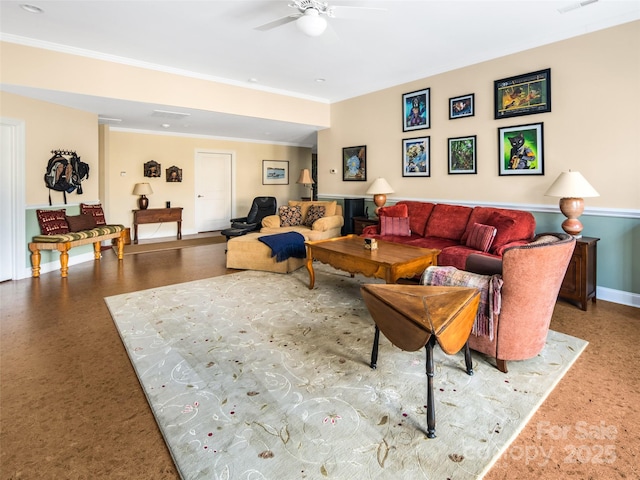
(174, 174)
(152, 169)
(275, 172)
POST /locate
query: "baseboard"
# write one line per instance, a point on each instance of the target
(618, 296)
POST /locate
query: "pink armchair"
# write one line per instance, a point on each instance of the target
(532, 275)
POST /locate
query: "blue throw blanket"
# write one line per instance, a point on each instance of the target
(285, 245)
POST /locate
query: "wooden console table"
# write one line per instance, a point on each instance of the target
(157, 215)
(579, 284)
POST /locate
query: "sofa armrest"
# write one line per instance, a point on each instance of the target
(371, 230)
(239, 219)
(327, 223)
(483, 265)
(271, 221)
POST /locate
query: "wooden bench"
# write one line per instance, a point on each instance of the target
(64, 242)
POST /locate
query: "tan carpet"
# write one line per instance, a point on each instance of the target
(253, 375)
(172, 245)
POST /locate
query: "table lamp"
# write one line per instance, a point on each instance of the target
(306, 180)
(379, 189)
(571, 187)
(142, 189)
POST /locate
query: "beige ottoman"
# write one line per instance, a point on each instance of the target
(248, 253)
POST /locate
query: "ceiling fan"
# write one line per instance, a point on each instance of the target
(310, 17)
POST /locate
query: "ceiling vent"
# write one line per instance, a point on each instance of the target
(576, 5)
(169, 114)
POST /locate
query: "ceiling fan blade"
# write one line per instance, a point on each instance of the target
(279, 22)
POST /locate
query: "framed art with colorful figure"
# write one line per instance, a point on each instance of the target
(523, 94)
(416, 157)
(462, 106)
(416, 113)
(521, 150)
(354, 164)
(462, 155)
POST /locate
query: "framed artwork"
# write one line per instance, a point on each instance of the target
(354, 164)
(275, 172)
(152, 169)
(523, 94)
(521, 150)
(416, 112)
(462, 155)
(174, 174)
(416, 157)
(462, 106)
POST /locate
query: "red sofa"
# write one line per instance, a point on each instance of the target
(448, 227)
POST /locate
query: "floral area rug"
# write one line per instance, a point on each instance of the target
(254, 376)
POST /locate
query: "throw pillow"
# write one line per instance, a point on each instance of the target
(290, 216)
(52, 222)
(84, 221)
(95, 210)
(400, 210)
(314, 213)
(504, 226)
(481, 237)
(330, 207)
(398, 226)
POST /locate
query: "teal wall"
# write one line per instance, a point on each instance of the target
(618, 264)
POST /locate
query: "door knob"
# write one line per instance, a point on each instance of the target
(200, 196)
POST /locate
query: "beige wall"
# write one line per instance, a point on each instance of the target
(33, 67)
(50, 127)
(127, 152)
(592, 128)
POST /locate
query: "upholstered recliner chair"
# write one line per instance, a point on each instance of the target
(260, 208)
(532, 275)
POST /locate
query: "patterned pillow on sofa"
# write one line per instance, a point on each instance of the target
(95, 210)
(290, 216)
(314, 213)
(481, 237)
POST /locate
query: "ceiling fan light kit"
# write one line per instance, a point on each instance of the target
(311, 23)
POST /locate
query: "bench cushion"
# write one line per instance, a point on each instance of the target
(73, 236)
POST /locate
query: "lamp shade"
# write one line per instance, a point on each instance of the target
(142, 189)
(305, 177)
(311, 23)
(379, 186)
(571, 185)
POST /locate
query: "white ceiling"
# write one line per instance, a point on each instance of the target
(364, 51)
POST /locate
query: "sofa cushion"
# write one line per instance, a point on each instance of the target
(290, 216)
(481, 237)
(84, 221)
(398, 226)
(431, 242)
(448, 221)
(52, 222)
(398, 210)
(330, 207)
(315, 212)
(523, 228)
(95, 210)
(419, 213)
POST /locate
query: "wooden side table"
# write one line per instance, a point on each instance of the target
(157, 215)
(579, 284)
(360, 222)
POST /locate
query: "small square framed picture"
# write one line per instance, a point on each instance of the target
(415, 157)
(462, 155)
(462, 106)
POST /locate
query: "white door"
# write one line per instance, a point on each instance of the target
(213, 190)
(7, 146)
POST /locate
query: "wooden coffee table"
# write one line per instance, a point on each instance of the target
(390, 261)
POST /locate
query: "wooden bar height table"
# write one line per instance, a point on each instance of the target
(157, 215)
